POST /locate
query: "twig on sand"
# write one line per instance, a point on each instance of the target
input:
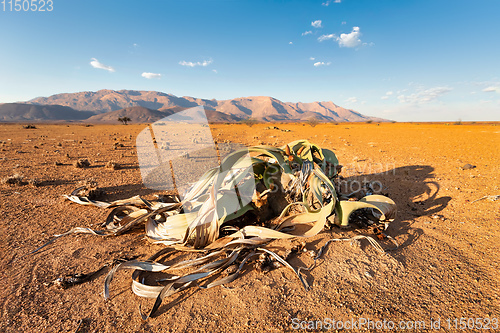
(489, 197)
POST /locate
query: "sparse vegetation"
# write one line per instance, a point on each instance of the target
(29, 127)
(124, 120)
(113, 165)
(18, 180)
(34, 182)
(369, 121)
(313, 121)
(81, 163)
(249, 122)
(15, 179)
(90, 189)
(459, 122)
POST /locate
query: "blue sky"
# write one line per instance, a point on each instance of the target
(426, 60)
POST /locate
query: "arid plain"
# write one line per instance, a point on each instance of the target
(445, 268)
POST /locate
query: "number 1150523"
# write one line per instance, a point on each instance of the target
(27, 5)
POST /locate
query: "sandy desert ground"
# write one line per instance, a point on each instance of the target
(447, 266)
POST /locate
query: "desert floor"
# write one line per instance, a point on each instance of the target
(447, 266)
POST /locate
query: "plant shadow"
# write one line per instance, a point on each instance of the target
(414, 190)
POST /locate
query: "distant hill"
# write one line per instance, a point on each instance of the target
(139, 114)
(261, 108)
(110, 100)
(19, 112)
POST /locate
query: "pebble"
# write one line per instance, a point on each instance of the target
(468, 166)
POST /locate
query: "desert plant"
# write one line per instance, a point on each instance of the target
(369, 121)
(34, 182)
(124, 120)
(112, 165)
(81, 163)
(249, 121)
(15, 179)
(303, 171)
(459, 122)
(313, 121)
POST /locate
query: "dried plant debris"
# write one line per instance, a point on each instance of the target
(81, 163)
(113, 165)
(89, 188)
(15, 179)
(34, 182)
(70, 280)
(488, 197)
(282, 193)
(277, 128)
(266, 263)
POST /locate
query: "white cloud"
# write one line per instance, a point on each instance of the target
(205, 63)
(96, 64)
(290, 43)
(351, 100)
(387, 95)
(327, 3)
(351, 39)
(346, 40)
(344, 22)
(214, 70)
(321, 63)
(424, 96)
(305, 33)
(316, 24)
(312, 58)
(492, 89)
(327, 37)
(151, 75)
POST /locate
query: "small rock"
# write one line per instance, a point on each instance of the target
(468, 166)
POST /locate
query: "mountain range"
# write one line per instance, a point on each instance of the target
(149, 106)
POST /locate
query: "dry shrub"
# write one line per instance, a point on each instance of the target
(90, 188)
(16, 179)
(81, 163)
(34, 182)
(113, 165)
